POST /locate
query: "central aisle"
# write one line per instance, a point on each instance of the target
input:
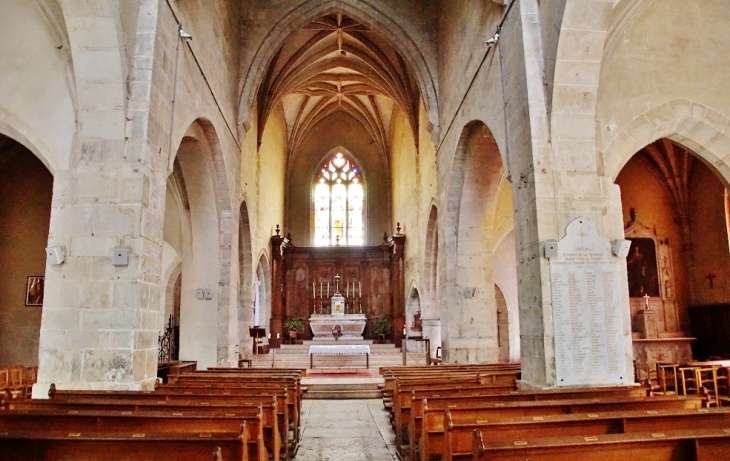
(345, 430)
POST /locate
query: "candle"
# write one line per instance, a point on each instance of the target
(321, 292)
(359, 284)
(314, 292)
(328, 289)
(347, 290)
(277, 335)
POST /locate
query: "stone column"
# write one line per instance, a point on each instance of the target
(555, 179)
(101, 320)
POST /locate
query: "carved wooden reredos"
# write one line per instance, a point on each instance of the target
(374, 271)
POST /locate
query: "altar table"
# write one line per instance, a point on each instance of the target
(344, 349)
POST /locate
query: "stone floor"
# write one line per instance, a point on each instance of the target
(345, 430)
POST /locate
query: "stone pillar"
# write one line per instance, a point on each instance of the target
(101, 321)
(556, 179)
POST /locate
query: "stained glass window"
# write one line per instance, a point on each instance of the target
(338, 203)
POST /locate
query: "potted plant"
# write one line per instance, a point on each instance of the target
(381, 327)
(292, 325)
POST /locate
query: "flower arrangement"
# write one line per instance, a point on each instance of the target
(336, 331)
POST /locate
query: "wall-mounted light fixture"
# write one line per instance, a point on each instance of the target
(550, 248)
(120, 256)
(184, 35)
(55, 255)
(621, 247)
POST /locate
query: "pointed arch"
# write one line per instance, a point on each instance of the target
(468, 246)
(695, 126)
(262, 287)
(381, 19)
(246, 286)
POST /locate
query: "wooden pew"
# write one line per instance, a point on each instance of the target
(685, 445)
(202, 423)
(491, 382)
(460, 437)
(406, 393)
(50, 445)
(432, 440)
(473, 397)
(273, 405)
(291, 387)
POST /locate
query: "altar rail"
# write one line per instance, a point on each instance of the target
(340, 350)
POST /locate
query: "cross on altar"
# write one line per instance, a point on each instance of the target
(646, 301)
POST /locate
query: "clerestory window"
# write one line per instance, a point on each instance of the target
(338, 203)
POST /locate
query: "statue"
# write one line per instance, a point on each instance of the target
(416, 326)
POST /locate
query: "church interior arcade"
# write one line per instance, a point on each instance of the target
(416, 156)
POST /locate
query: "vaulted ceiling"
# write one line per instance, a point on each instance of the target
(337, 65)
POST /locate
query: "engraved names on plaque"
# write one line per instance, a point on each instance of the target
(587, 316)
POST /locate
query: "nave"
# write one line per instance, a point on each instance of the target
(345, 430)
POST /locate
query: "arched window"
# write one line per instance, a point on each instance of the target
(338, 203)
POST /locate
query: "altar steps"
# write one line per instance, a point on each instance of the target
(343, 388)
(297, 356)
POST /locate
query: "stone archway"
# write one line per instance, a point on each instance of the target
(247, 288)
(469, 324)
(263, 292)
(26, 188)
(200, 332)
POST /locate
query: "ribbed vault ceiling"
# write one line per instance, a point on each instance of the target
(335, 64)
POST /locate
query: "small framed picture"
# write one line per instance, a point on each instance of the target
(34, 291)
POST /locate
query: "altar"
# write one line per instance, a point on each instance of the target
(351, 326)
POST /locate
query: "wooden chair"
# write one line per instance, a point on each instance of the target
(15, 382)
(667, 375)
(4, 378)
(688, 380)
(706, 378)
(723, 385)
(646, 374)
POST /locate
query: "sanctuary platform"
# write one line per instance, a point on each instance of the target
(350, 325)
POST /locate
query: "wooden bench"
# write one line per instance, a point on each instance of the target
(490, 382)
(476, 397)
(291, 386)
(686, 445)
(460, 437)
(202, 424)
(50, 445)
(433, 440)
(273, 404)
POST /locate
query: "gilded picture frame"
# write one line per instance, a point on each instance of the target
(34, 290)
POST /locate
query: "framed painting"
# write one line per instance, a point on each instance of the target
(34, 290)
(641, 265)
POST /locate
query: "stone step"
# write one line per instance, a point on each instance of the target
(342, 394)
(342, 388)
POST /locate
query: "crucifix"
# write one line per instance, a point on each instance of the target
(711, 278)
(646, 302)
(337, 283)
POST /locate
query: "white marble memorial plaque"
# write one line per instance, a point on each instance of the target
(587, 316)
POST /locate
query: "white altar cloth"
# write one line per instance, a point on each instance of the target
(336, 349)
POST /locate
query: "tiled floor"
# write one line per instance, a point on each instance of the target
(345, 430)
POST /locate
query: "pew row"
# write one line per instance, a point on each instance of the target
(460, 437)
(432, 441)
(682, 445)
